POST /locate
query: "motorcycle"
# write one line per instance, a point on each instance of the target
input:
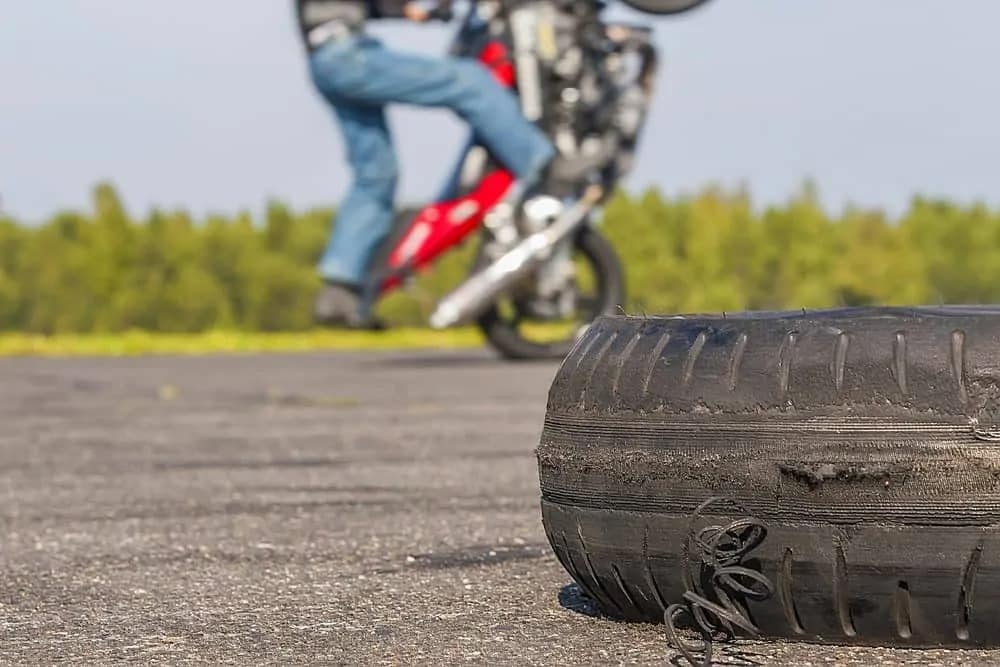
(543, 271)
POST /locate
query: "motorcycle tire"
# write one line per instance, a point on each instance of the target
(610, 279)
(856, 453)
(664, 7)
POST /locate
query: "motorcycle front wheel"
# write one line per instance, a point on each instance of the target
(664, 6)
(600, 284)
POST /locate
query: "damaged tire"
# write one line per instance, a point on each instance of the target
(856, 450)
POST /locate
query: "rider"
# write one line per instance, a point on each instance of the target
(358, 76)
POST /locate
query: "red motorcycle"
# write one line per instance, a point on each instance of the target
(543, 272)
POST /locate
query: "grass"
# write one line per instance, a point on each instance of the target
(136, 343)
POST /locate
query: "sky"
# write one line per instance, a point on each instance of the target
(205, 105)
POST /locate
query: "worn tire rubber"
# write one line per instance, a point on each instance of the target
(865, 439)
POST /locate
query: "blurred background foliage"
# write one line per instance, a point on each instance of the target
(105, 271)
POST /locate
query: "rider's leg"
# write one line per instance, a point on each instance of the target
(374, 75)
(365, 216)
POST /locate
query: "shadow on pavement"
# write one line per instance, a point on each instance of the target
(731, 654)
(479, 556)
(571, 597)
(434, 360)
(726, 655)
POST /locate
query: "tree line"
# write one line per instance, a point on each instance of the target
(104, 270)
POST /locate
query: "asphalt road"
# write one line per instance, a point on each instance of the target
(344, 509)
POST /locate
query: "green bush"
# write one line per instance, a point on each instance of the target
(105, 271)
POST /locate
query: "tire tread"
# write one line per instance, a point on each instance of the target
(864, 438)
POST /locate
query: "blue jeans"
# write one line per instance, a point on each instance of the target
(358, 76)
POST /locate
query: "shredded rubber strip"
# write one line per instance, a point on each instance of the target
(717, 584)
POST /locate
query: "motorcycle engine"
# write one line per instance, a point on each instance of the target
(588, 85)
(595, 82)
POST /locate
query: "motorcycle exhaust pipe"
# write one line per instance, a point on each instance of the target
(475, 295)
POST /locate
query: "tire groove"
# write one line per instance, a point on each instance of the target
(692, 357)
(785, 360)
(736, 361)
(574, 571)
(958, 370)
(584, 349)
(902, 611)
(785, 582)
(655, 357)
(657, 594)
(965, 593)
(621, 584)
(900, 361)
(626, 353)
(609, 600)
(598, 359)
(840, 359)
(841, 592)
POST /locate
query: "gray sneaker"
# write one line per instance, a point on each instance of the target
(337, 305)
